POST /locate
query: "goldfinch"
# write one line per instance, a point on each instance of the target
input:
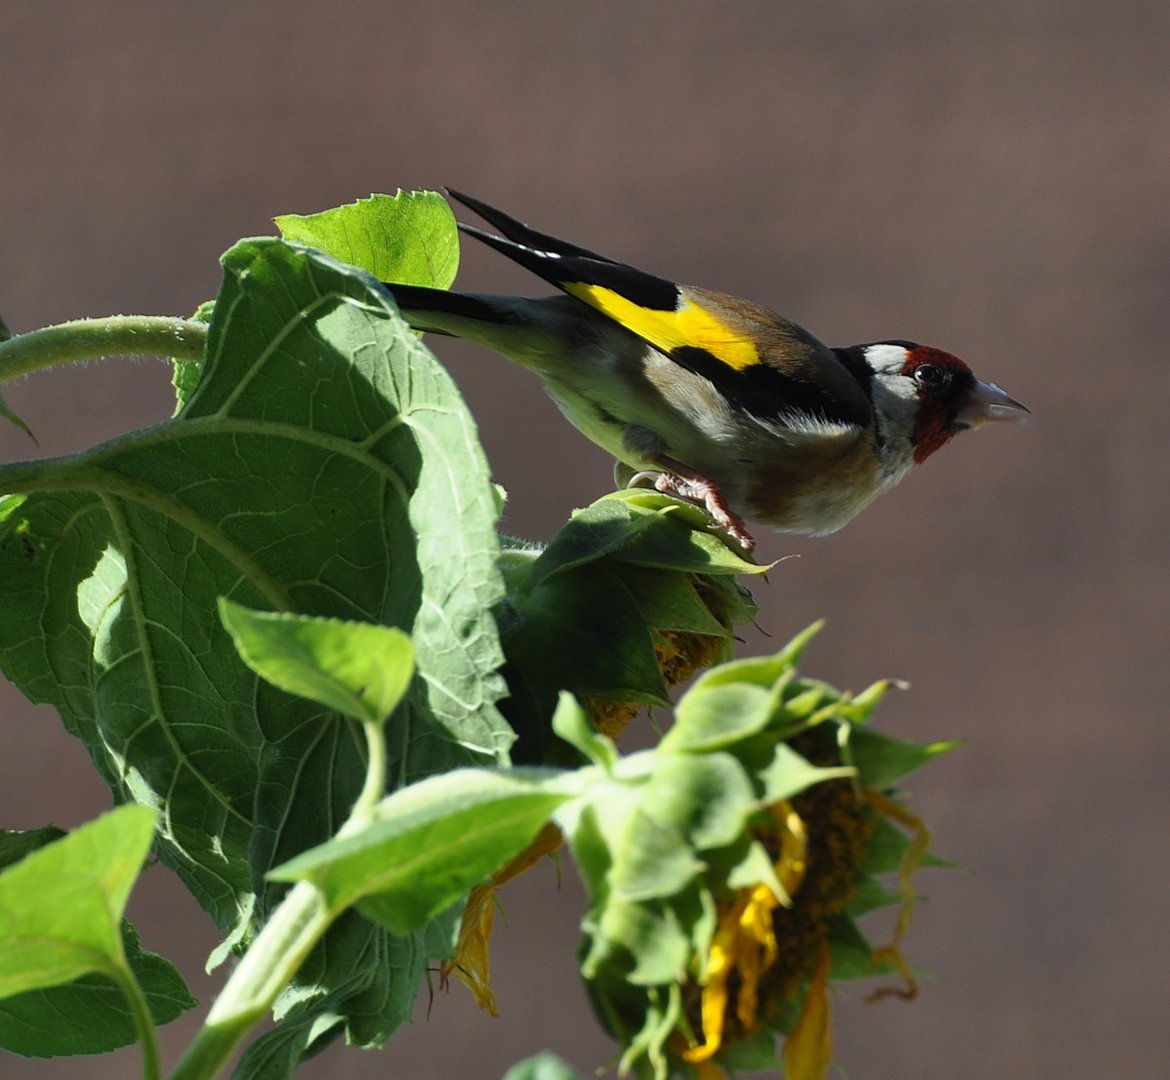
(710, 397)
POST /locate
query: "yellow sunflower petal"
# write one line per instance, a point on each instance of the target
(793, 861)
(756, 953)
(472, 959)
(720, 965)
(808, 1052)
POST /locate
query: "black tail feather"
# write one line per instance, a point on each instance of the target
(464, 305)
(520, 233)
(561, 268)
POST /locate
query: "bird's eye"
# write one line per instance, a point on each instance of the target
(930, 376)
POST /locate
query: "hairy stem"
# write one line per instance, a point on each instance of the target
(267, 968)
(89, 339)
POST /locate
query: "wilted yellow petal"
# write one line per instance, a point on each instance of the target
(548, 840)
(917, 848)
(808, 1052)
(793, 861)
(720, 964)
(472, 959)
(756, 952)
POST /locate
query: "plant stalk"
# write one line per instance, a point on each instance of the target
(90, 339)
(143, 1021)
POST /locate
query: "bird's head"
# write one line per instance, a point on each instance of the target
(927, 396)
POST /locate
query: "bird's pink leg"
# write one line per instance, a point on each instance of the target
(706, 493)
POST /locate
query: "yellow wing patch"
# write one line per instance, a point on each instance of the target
(688, 324)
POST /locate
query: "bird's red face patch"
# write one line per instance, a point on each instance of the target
(942, 379)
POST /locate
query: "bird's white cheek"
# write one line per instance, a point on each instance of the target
(895, 402)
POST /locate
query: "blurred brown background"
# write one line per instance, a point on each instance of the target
(990, 178)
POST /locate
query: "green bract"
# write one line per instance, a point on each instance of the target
(631, 597)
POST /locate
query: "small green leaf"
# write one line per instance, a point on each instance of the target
(185, 374)
(669, 600)
(590, 534)
(544, 1066)
(851, 955)
(583, 631)
(89, 1015)
(749, 865)
(8, 505)
(643, 528)
(359, 669)
(61, 905)
(884, 851)
(869, 895)
(9, 415)
(802, 697)
(882, 761)
(653, 860)
(788, 774)
(15, 844)
(712, 717)
(762, 671)
(706, 797)
(646, 942)
(571, 723)
(431, 842)
(408, 237)
(860, 707)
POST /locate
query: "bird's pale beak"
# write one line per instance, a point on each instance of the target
(988, 402)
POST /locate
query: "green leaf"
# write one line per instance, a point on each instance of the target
(429, 843)
(869, 895)
(747, 864)
(706, 798)
(884, 851)
(358, 669)
(851, 955)
(650, 860)
(7, 413)
(9, 504)
(362, 978)
(408, 237)
(788, 774)
(584, 632)
(644, 529)
(775, 673)
(15, 844)
(325, 464)
(669, 600)
(186, 374)
(882, 761)
(543, 1066)
(89, 1015)
(647, 943)
(571, 723)
(61, 905)
(710, 717)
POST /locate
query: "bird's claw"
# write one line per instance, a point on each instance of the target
(698, 490)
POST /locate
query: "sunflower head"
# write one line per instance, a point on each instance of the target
(727, 869)
(632, 597)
